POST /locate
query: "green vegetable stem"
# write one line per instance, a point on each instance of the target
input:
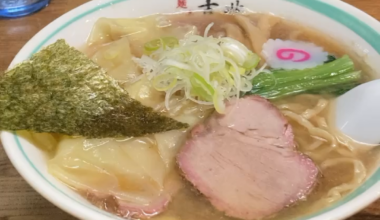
(335, 77)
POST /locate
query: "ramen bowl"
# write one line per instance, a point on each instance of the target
(337, 19)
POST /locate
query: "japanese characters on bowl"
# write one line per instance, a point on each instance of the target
(234, 7)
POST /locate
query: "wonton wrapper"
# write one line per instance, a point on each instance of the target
(137, 30)
(116, 59)
(137, 170)
(131, 170)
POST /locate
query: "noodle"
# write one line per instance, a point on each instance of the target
(320, 155)
(339, 144)
(309, 113)
(294, 107)
(344, 152)
(314, 131)
(321, 122)
(360, 174)
(314, 145)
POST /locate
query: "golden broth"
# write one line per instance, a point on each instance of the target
(112, 48)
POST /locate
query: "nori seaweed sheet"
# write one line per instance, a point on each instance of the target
(60, 90)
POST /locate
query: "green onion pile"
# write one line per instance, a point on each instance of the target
(209, 70)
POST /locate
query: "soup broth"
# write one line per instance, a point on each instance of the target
(343, 164)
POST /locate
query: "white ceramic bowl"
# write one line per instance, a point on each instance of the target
(338, 19)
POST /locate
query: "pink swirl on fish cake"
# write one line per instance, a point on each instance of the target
(289, 54)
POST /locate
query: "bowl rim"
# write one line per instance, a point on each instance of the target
(358, 21)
